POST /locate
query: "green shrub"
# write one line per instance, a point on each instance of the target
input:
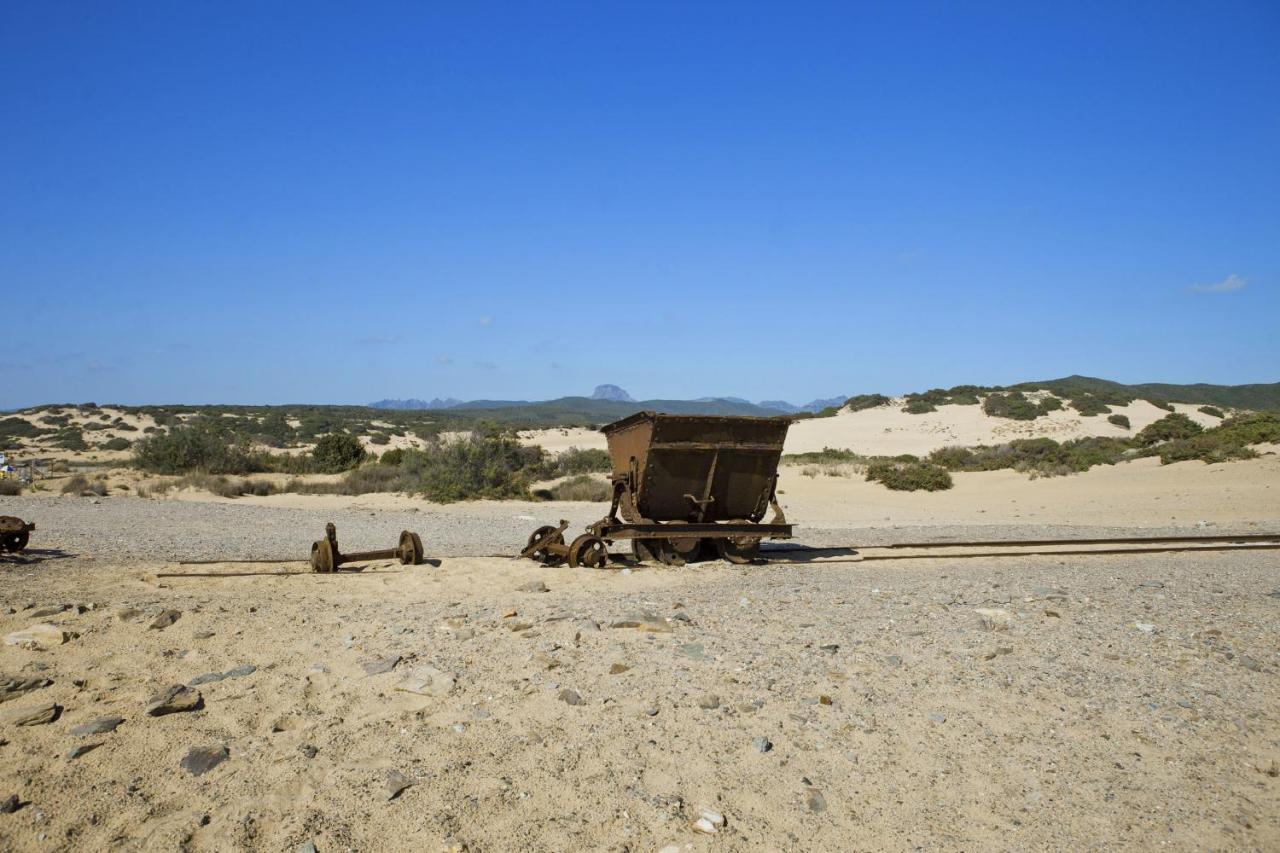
(1161, 404)
(337, 451)
(1121, 421)
(865, 401)
(965, 400)
(9, 487)
(1211, 411)
(70, 438)
(1168, 428)
(1050, 404)
(575, 461)
(1229, 440)
(380, 439)
(909, 476)
(115, 444)
(392, 457)
(1042, 456)
(826, 456)
(581, 488)
(79, 484)
(1089, 405)
(919, 406)
(224, 487)
(198, 447)
(1013, 405)
(21, 428)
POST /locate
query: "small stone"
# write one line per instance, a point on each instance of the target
(518, 626)
(307, 847)
(35, 715)
(571, 697)
(704, 825)
(128, 614)
(173, 699)
(99, 726)
(164, 620)
(199, 760)
(308, 750)
(12, 686)
(207, 678)
(937, 718)
(77, 751)
(1152, 584)
(1250, 664)
(815, 801)
(203, 635)
(994, 618)
(709, 702)
(824, 699)
(9, 805)
(830, 648)
(377, 666)
(39, 636)
(533, 586)
(692, 651)
(762, 744)
(651, 711)
(240, 671)
(50, 611)
(396, 783)
(644, 622)
(1053, 614)
(428, 681)
(1145, 627)
(709, 822)
(618, 669)
(893, 661)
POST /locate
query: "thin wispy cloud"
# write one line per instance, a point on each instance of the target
(378, 340)
(486, 320)
(444, 359)
(1230, 284)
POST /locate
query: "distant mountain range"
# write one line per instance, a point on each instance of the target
(613, 394)
(609, 402)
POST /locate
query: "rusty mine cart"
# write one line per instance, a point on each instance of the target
(688, 487)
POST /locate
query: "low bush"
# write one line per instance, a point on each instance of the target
(826, 456)
(10, 487)
(919, 406)
(380, 439)
(225, 487)
(116, 443)
(1089, 405)
(1169, 428)
(78, 484)
(1039, 456)
(1162, 404)
(865, 401)
(1228, 441)
(581, 488)
(1211, 411)
(1121, 421)
(575, 461)
(336, 452)
(909, 476)
(392, 457)
(195, 448)
(1013, 405)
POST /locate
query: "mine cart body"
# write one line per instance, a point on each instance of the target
(686, 486)
(691, 468)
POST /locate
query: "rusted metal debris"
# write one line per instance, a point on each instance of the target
(326, 557)
(14, 533)
(688, 487)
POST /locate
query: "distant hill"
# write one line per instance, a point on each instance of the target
(437, 403)
(1257, 396)
(611, 392)
(568, 410)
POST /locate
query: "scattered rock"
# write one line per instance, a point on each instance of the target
(994, 618)
(1152, 585)
(39, 636)
(1053, 614)
(709, 702)
(571, 697)
(533, 586)
(240, 671)
(762, 744)
(1145, 627)
(377, 666)
(199, 760)
(203, 635)
(50, 611)
(207, 678)
(99, 726)
(618, 668)
(308, 846)
(830, 648)
(692, 651)
(9, 805)
(709, 822)
(309, 750)
(77, 751)
(893, 661)
(173, 699)
(128, 614)
(1250, 663)
(12, 686)
(428, 681)
(35, 715)
(937, 718)
(815, 801)
(519, 626)
(644, 622)
(396, 783)
(164, 620)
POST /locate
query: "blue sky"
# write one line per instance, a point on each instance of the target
(270, 202)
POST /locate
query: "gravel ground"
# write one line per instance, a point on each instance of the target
(192, 530)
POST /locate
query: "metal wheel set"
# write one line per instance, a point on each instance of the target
(326, 557)
(14, 533)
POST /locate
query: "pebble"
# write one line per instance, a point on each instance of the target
(99, 726)
(644, 622)
(571, 697)
(533, 586)
(9, 805)
(618, 668)
(377, 666)
(240, 671)
(12, 686)
(396, 783)
(709, 702)
(309, 750)
(199, 760)
(207, 678)
(1145, 627)
(77, 751)
(937, 718)
(693, 651)
(35, 715)
(1152, 584)
(815, 801)
(762, 744)
(164, 620)
(173, 699)
(709, 822)
(428, 681)
(307, 847)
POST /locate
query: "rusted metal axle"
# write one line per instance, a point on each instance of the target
(325, 556)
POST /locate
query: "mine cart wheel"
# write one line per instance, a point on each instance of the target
(667, 552)
(643, 551)
(410, 550)
(13, 533)
(322, 556)
(542, 555)
(589, 551)
(739, 550)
